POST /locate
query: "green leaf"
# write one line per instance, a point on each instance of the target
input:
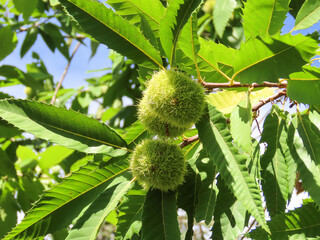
(258, 59)
(229, 214)
(64, 127)
(29, 40)
(132, 10)
(8, 41)
(53, 155)
(189, 40)
(88, 225)
(12, 73)
(226, 101)
(159, 217)
(112, 30)
(7, 165)
(222, 12)
(135, 133)
(25, 7)
(59, 206)
(240, 123)
(172, 23)
(275, 169)
(8, 209)
(304, 86)
(268, 20)
(7, 130)
(308, 15)
(208, 191)
(301, 223)
(130, 214)
(53, 31)
(308, 168)
(188, 191)
(216, 139)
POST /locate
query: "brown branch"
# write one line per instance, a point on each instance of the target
(188, 141)
(267, 100)
(64, 73)
(238, 84)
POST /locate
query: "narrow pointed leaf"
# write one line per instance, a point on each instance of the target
(130, 214)
(208, 191)
(268, 20)
(189, 40)
(309, 170)
(188, 191)
(227, 100)
(112, 30)
(61, 126)
(88, 225)
(222, 12)
(308, 14)
(159, 217)
(60, 205)
(152, 11)
(229, 214)
(240, 121)
(304, 86)
(301, 223)
(259, 58)
(172, 23)
(217, 140)
(274, 166)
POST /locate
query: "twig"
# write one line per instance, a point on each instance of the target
(238, 84)
(64, 74)
(188, 141)
(267, 100)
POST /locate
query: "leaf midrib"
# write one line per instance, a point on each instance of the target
(239, 170)
(46, 215)
(266, 58)
(117, 33)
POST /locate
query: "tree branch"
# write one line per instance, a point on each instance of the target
(64, 73)
(188, 141)
(238, 84)
(269, 99)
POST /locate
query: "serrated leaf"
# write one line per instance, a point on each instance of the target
(308, 168)
(304, 86)
(275, 169)
(301, 223)
(63, 203)
(217, 140)
(159, 217)
(222, 12)
(229, 214)
(88, 225)
(240, 124)
(189, 40)
(308, 14)
(112, 30)
(131, 10)
(226, 100)
(130, 214)
(188, 191)
(64, 127)
(176, 16)
(259, 58)
(268, 20)
(208, 191)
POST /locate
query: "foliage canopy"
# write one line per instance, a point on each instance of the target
(72, 179)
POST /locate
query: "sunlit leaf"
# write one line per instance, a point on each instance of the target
(307, 15)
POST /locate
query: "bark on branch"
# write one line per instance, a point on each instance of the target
(238, 84)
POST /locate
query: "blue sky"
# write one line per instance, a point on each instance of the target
(81, 64)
